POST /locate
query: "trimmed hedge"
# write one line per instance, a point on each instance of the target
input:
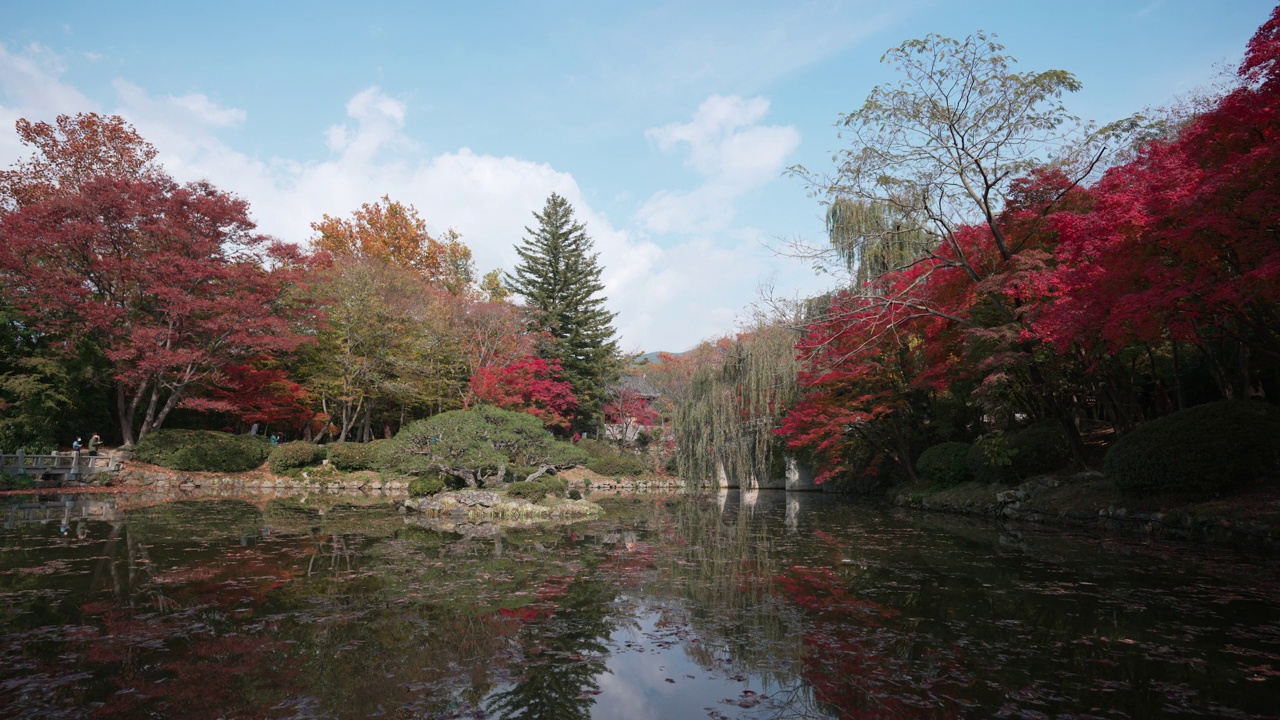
(202, 450)
(1198, 450)
(352, 456)
(945, 464)
(535, 490)
(1018, 455)
(615, 465)
(296, 454)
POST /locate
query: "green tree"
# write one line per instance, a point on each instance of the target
(559, 278)
(479, 446)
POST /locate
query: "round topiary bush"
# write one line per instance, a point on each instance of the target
(1041, 448)
(615, 465)
(426, 485)
(202, 450)
(533, 491)
(1198, 450)
(296, 454)
(353, 456)
(990, 461)
(554, 485)
(945, 464)
(1015, 456)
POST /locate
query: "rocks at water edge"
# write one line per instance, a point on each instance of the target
(489, 505)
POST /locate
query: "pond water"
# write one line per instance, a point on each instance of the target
(767, 605)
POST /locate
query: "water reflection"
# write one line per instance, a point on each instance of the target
(743, 604)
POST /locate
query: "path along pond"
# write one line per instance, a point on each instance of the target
(766, 605)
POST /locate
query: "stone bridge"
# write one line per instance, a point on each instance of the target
(60, 466)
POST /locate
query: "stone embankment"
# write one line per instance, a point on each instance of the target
(487, 506)
(601, 482)
(256, 483)
(1050, 499)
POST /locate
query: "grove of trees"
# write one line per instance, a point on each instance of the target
(130, 302)
(1011, 267)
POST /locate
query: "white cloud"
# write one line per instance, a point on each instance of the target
(733, 154)
(666, 298)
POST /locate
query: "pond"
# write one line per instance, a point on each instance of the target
(761, 605)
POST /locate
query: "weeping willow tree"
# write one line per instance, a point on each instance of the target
(726, 422)
(874, 238)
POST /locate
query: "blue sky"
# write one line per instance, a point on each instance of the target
(668, 125)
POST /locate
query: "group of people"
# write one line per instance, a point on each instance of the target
(94, 442)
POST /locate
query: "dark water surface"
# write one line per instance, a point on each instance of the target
(745, 606)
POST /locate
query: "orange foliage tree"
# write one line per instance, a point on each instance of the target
(392, 232)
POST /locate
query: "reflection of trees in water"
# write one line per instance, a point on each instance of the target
(562, 656)
(724, 567)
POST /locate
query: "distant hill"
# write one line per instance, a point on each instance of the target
(653, 356)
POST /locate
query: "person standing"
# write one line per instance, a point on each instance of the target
(75, 446)
(94, 442)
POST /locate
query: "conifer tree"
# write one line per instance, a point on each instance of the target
(559, 278)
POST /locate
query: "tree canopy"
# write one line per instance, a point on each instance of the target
(479, 446)
(558, 277)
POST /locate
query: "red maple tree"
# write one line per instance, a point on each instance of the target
(169, 281)
(531, 385)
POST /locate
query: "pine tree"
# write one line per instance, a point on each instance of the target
(559, 279)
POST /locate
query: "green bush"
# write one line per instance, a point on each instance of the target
(1042, 448)
(945, 464)
(296, 454)
(202, 450)
(535, 490)
(1020, 454)
(352, 456)
(597, 448)
(16, 481)
(1198, 450)
(554, 485)
(614, 465)
(425, 485)
(532, 491)
(516, 473)
(475, 443)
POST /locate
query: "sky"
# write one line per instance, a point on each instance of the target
(669, 126)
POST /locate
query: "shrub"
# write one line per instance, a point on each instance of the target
(1042, 448)
(945, 464)
(516, 473)
(535, 490)
(575, 495)
(1198, 450)
(202, 450)
(352, 456)
(1020, 454)
(614, 465)
(16, 481)
(554, 485)
(425, 485)
(597, 448)
(991, 460)
(532, 491)
(296, 454)
(473, 444)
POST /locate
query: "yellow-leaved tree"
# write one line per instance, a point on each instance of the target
(391, 232)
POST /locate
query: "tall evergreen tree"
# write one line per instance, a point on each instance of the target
(559, 279)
